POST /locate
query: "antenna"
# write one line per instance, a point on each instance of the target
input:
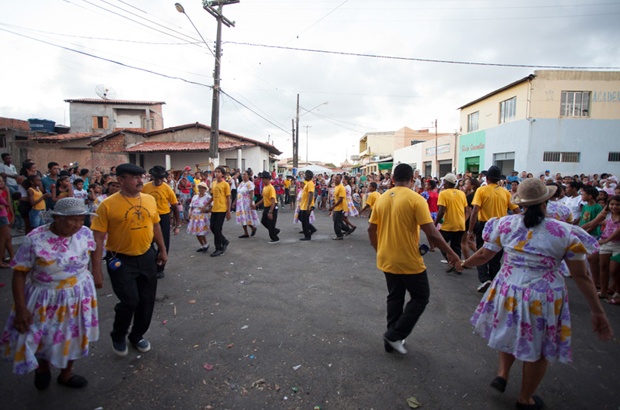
(105, 92)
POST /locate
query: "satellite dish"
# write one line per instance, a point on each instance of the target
(105, 92)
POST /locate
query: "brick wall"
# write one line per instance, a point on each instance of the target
(15, 124)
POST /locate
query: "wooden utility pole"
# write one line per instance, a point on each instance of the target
(209, 6)
(296, 141)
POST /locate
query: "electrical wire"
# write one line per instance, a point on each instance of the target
(422, 60)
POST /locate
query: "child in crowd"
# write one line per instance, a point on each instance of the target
(79, 191)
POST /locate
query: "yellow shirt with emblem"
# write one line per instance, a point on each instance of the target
(455, 202)
(493, 200)
(341, 192)
(220, 192)
(128, 222)
(308, 190)
(269, 195)
(372, 198)
(398, 214)
(163, 194)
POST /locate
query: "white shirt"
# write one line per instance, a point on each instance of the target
(9, 169)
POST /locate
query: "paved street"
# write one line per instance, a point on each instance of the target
(297, 325)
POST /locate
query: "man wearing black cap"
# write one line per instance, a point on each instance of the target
(306, 206)
(220, 191)
(130, 220)
(165, 199)
(490, 201)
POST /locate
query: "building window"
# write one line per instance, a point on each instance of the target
(575, 104)
(2, 141)
(100, 123)
(555, 156)
(472, 121)
(507, 110)
(614, 157)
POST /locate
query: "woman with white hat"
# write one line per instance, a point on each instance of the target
(54, 317)
(524, 312)
(198, 216)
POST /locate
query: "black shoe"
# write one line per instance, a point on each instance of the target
(75, 382)
(161, 274)
(301, 231)
(253, 231)
(499, 384)
(225, 245)
(42, 380)
(244, 236)
(201, 249)
(218, 253)
(538, 404)
(304, 239)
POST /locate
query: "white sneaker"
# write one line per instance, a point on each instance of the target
(398, 345)
(484, 286)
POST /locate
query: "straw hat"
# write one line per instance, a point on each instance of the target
(533, 191)
(71, 207)
(203, 185)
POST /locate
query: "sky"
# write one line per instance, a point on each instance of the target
(358, 66)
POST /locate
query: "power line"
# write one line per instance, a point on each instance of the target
(108, 60)
(251, 110)
(422, 60)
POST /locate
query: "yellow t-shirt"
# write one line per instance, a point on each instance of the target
(398, 214)
(128, 222)
(455, 202)
(493, 200)
(36, 194)
(269, 195)
(220, 192)
(196, 182)
(308, 190)
(372, 198)
(341, 192)
(287, 183)
(163, 194)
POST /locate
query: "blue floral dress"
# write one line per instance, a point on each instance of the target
(525, 310)
(60, 295)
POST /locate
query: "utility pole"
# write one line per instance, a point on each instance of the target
(307, 126)
(294, 146)
(436, 161)
(209, 6)
(296, 141)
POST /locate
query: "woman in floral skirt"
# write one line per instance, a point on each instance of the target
(246, 216)
(54, 317)
(198, 217)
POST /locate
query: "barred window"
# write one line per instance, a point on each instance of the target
(614, 157)
(507, 110)
(472, 121)
(575, 104)
(556, 156)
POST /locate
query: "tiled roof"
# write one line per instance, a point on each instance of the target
(157, 146)
(113, 102)
(64, 137)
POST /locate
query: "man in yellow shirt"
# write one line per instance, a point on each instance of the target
(372, 198)
(165, 199)
(306, 206)
(339, 208)
(130, 220)
(490, 201)
(394, 232)
(452, 203)
(270, 208)
(220, 211)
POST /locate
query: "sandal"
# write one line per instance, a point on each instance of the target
(614, 300)
(42, 379)
(602, 295)
(75, 381)
(499, 384)
(253, 231)
(4, 265)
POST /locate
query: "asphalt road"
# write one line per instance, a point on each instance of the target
(298, 325)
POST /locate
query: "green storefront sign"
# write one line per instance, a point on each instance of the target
(471, 152)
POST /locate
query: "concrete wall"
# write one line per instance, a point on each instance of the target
(128, 116)
(424, 153)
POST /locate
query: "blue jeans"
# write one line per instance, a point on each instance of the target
(35, 218)
(400, 321)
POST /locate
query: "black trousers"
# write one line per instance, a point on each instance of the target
(488, 270)
(339, 225)
(401, 317)
(217, 224)
(454, 240)
(304, 218)
(270, 224)
(135, 284)
(164, 223)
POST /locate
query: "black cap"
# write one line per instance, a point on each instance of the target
(131, 169)
(494, 172)
(265, 174)
(158, 172)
